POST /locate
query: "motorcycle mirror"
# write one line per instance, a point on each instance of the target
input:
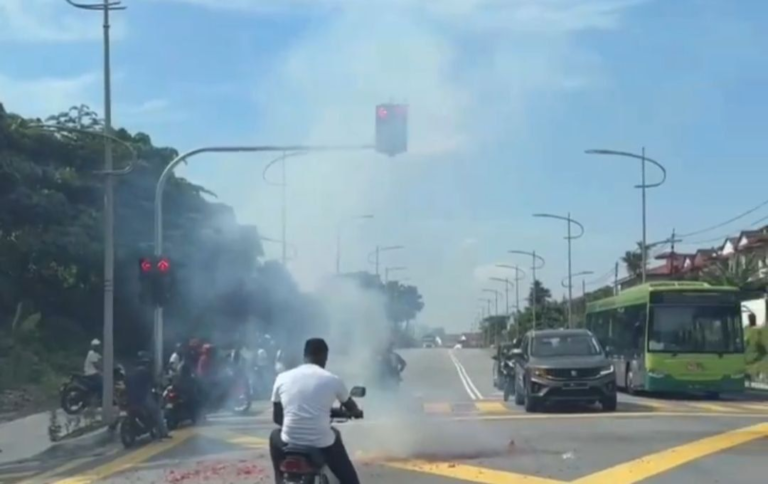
(357, 392)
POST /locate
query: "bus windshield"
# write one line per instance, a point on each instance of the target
(695, 329)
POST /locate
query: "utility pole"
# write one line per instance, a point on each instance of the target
(285, 208)
(105, 7)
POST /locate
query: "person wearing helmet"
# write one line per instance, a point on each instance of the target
(138, 386)
(92, 367)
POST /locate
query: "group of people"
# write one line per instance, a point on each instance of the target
(303, 395)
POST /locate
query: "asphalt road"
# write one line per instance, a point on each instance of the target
(448, 424)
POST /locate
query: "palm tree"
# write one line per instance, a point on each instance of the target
(633, 260)
(739, 274)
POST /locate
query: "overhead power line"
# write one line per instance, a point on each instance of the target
(727, 222)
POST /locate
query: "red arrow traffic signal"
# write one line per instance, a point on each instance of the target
(163, 265)
(145, 265)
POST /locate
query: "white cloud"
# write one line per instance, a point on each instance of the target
(469, 71)
(51, 21)
(42, 97)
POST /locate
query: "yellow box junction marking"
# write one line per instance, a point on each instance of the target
(713, 407)
(47, 475)
(631, 472)
(645, 467)
(128, 460)
(469, 473)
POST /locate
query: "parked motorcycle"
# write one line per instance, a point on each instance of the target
(78, 393)
(178, 407)
(305, 465)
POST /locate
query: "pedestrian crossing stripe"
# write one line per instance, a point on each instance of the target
(499, 407)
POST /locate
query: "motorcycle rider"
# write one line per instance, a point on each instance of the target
(92, 367)
(394, 363)
(302, 401)
(138, 385)
(176, 359)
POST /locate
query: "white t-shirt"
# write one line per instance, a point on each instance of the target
(262, 357)
(92, 363)
(307, 394)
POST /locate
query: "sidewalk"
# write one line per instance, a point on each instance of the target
(25, 437)
(28, 437)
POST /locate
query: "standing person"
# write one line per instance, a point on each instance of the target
(302, 401)
(176, 359)
(92, 367)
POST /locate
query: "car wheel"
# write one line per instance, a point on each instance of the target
(531, 405)
(609, 404)
(519, 396)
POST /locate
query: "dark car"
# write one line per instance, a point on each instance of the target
(563, 365)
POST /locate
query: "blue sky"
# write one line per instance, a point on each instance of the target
(504, 95)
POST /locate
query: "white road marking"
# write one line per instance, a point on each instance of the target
(470, 387)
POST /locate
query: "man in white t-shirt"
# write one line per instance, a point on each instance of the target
(302, 400)
(92, 366)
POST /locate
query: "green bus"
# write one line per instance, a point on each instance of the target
(673, 337)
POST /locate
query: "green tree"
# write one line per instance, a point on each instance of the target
(737, 272)
(633, 260)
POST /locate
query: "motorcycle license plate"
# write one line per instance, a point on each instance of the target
(169, 406)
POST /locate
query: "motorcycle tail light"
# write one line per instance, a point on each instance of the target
(296, 465)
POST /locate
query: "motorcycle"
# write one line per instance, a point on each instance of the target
(78, 393)
(305, 465)
(136, 423)
(232, 389)
(178, 408)
(508, 379)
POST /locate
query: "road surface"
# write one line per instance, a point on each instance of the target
(448, 425)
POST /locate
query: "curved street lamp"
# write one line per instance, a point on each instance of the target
(496, 298)
(536, 259)
(519, 276)
(284, 188)
(374, 256)
(569, 237)
(642, 186)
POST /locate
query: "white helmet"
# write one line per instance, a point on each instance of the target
(95, 342)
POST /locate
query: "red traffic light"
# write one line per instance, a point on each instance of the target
(382, 112)
(145, 265)
(163, 265)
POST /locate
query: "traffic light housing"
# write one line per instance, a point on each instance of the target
(392, 129)
(156, 278)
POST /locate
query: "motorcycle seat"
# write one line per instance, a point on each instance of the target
(312, 455)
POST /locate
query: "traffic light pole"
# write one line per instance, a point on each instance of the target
(160, 188)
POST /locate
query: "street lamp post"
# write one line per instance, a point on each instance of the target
(377, 254)
(569, 221)
(507, 283)
(107, 6)
(275, 241)
(496, 298)
(567, 282)
(536, 259)
(338, 239)
(643, 186)
(387, 270)
(519, 276)
(284, 188)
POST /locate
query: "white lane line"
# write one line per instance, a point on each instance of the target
(472, 391)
